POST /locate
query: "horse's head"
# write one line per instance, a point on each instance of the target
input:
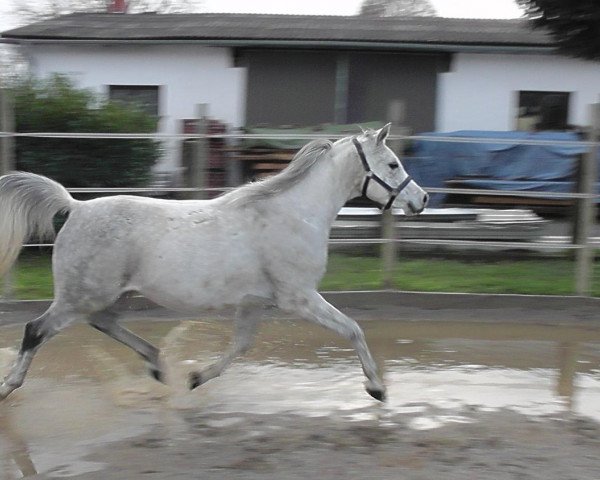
(385, 180)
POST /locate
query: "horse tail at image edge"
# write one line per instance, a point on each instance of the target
(28, 204)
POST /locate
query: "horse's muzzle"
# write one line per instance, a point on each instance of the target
(414, 209)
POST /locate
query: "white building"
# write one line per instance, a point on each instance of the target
(451, 74)
(482, 91)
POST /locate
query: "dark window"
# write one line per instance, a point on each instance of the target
(144, 96)
(543, 110)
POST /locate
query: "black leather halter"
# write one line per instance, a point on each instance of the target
(394, 192)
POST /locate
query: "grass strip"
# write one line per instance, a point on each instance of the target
(32, 277)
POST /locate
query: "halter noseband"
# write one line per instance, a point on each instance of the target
(394, 192)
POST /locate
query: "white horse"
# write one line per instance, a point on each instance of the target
(261, 245)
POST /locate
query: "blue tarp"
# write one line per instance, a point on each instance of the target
(501, 166)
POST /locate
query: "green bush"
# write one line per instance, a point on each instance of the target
(55, 105)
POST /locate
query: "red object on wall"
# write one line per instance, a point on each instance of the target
(118, 6)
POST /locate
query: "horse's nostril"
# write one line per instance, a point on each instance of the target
(425, 199)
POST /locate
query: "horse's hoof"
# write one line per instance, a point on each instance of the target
(377, 394)
(195, 380)
(5, 390)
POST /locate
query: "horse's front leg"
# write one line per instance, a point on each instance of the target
(245, 325)
(314, 308)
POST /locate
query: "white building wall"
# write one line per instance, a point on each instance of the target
(186, 74)
(480, 91)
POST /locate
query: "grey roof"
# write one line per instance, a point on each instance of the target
(249, 29)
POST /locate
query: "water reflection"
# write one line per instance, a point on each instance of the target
(16, 459)
(85, 390)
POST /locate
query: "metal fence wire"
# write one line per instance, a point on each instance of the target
(587, 194)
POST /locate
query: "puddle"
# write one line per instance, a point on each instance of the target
(85, 390)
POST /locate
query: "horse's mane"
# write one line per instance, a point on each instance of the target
(288, 177)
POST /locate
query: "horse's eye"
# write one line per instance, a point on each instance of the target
(393, 165)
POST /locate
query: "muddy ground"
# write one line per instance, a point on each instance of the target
(498, 445)
(97, 426)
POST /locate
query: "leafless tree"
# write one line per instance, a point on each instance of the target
(34, 10)
(12, 64)
(397, 8)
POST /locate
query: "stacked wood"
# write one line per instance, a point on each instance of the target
(270, 153)
(259, 163)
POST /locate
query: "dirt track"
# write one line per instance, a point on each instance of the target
(96, 417)
(496, 446)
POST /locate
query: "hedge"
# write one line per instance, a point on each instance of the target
(55, 105)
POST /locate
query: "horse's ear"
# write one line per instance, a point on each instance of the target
(383, 133)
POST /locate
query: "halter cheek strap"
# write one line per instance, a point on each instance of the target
(394, 191)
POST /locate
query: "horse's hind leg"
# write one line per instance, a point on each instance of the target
(244, 329)
(106, 322)
(37, 332)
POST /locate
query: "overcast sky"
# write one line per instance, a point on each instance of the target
(445, 8)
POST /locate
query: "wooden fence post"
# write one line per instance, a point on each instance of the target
(199, 163)
(7, 163)
(7, 126)
(584, 259)
(389, 248)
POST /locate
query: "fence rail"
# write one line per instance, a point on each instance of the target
(290, 136)
(423, 241)
(242, 136)
(591, 144)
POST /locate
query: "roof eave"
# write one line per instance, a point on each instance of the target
(275, 43)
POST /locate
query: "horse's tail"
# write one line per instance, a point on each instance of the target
(28, 203)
